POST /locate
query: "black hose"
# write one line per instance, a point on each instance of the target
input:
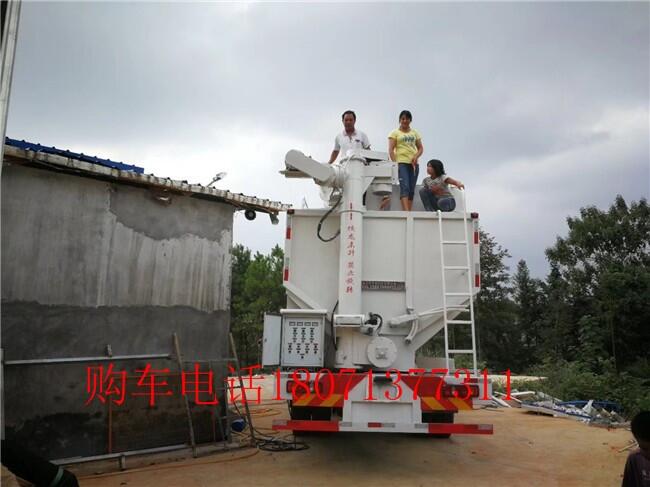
(269, 443)
(332, 321)
(375, 319)
(320, 223)
(277, 444)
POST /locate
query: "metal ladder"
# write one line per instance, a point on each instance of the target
(224, 432)
(468, 294)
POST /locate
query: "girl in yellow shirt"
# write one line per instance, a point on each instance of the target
(405, 148)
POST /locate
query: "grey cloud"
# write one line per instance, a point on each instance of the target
(489, 84)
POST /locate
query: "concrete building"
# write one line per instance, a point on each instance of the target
(100, 259)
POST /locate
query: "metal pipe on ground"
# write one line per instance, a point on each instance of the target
(103, 358)
(117, 456)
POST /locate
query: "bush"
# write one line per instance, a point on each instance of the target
(570, 381)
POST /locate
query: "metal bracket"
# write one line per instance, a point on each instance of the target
(349, 321)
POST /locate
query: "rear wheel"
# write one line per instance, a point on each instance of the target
(439, 417)
(321, 414)
(302, 413)
(299, 413)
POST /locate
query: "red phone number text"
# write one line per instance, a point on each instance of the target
(436, 383)
(105, 384)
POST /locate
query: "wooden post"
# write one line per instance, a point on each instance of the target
(179, 359)
(241, 387)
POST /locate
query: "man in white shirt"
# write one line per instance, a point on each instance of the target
(350, 138)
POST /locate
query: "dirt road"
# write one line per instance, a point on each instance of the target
(525, 450)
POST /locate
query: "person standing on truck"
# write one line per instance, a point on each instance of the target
(405, 148)
(350, 138)
(435, 192)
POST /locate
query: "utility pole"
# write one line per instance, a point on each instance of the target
(10, 17)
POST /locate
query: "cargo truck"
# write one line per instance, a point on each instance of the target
(367, 287)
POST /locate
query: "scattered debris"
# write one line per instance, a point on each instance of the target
(500, 401)
(606, 414)
(524, 395)
(609, 405)
(511, 402)
(631, 444)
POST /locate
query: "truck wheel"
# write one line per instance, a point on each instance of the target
(321, 414)
(300, 413)
(439, 417)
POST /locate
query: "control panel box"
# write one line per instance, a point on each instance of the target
(303, 337)
(271, 340)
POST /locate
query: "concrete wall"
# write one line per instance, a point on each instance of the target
(85, 264)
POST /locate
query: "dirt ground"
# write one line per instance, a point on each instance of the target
(526, 449)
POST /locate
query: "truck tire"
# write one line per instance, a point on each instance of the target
(300, 413)
(321, 414)
(439, 417)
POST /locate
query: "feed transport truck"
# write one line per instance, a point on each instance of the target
(367, 287)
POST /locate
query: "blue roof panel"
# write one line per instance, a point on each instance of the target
(21, 144)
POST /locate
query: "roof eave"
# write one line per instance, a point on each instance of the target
(16, 155)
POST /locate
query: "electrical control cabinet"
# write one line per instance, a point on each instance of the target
(271, 340)
(303, 337)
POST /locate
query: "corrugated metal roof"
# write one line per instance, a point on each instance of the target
(57, 159)
(21, 144)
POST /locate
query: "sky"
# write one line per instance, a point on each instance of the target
(539, 108)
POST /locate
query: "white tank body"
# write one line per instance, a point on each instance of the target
(401, 278)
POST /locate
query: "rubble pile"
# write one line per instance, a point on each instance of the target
(595, 413)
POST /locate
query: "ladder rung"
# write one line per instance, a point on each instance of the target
(459, 322)
(458, 294)
(461, 351)
(456, 268)
(454, 242)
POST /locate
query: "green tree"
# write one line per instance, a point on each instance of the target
(256, 289)
(558, 337)
(528, 295)
(498, 342)
(241, 259)
(605, 264)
